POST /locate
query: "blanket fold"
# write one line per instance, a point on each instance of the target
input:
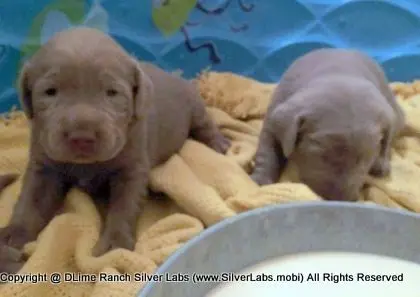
(201, 187)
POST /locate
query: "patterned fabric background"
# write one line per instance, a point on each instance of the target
(256, 38)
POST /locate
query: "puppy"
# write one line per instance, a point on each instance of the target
(335, 116)
(100, 121)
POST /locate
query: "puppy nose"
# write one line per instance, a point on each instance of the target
(82, 141)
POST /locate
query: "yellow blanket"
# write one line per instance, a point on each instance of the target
(204, 188)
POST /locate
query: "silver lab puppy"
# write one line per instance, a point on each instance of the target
(335, 116)
(100, 121)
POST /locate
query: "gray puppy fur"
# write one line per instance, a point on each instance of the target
(334, 115)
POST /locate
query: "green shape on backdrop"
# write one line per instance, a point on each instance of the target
(73, 9)
(172, 15)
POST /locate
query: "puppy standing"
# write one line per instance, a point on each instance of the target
(100, 121)
(334, 114)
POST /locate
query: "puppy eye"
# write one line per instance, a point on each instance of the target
(51, 92)
(111, 92)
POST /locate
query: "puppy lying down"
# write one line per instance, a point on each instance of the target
(334, 115)
(100, 121)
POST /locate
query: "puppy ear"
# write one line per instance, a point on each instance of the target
(286, 125)
(24, 91)
(143, 90)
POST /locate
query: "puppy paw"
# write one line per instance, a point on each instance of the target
(220, 144)
(113, 240)
(14, 236)
(381, 168)
(11, 259)
(261, 179)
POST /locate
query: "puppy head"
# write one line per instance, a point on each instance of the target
(82, 92)
(334, 164)
(333, 154)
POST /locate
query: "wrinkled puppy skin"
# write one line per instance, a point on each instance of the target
(100, 121)
(334, 115)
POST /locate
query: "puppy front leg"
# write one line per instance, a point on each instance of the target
(269, 161)
(40, 198)
(127, 197)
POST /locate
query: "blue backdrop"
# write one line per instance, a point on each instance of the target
(256, 38)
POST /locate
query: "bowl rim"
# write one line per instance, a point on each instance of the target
(149, 286)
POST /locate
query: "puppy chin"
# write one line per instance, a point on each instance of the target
(338, 195)
(70, 157)
(62, 154)
(65, 156)
(341, 197)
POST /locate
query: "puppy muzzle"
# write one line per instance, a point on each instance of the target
(82, 142)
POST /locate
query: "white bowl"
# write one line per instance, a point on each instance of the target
(289, 229)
